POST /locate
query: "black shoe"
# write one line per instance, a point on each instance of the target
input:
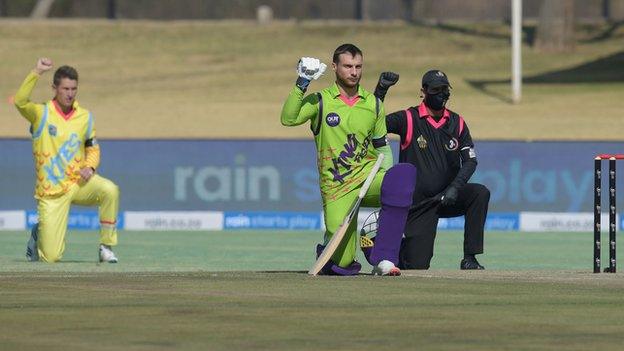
(470, 263)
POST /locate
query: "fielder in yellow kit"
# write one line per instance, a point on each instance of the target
(66, 156)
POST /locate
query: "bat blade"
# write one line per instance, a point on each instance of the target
(332, 245)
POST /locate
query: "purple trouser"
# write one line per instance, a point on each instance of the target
(397, 188)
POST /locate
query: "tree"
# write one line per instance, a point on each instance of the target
(555, 30)
(408, 10)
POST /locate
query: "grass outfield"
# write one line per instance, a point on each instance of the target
(248, 290)
(286, 251)
(229, 79)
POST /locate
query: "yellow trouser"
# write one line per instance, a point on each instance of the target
(54, 212)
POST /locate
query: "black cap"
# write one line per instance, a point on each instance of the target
(434, 79)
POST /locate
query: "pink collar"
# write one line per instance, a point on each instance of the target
(423, 112)
(349, 101)
(66, 116)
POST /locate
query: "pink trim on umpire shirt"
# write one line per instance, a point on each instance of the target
(348, 101)
(461, 125)
(408, 134)
(422, 111)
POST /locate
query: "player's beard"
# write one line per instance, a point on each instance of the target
(348, 83)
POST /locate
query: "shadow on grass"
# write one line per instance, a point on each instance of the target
(607, 69)
(528, 32)
(608, 33)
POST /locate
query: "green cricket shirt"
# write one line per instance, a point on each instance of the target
(344, 130)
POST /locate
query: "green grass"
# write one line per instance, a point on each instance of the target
(285, 251)
(249, 291)
(229, 79)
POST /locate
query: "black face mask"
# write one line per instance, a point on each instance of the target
(437, 101)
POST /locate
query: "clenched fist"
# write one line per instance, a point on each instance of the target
(43, 64)
(386, 80)
(308, 69)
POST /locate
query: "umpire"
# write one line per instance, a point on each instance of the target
(437, 141)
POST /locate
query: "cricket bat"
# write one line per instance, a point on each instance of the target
(332, 245)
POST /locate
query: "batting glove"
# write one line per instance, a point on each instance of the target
(386, 80)
(309, 69)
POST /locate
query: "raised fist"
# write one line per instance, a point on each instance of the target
(43, 64)
(310, 68)
(386, 80)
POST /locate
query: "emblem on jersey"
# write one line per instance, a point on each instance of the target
(422, 142)
(472, 153)
(332, 119)
(52, 130)
(451, 145)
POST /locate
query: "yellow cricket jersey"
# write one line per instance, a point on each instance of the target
(58, 141)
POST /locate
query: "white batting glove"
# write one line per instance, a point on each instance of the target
(310, 68)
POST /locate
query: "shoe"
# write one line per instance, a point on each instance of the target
(32, 254)
(470, 263)
(386, 268)
(106, 254)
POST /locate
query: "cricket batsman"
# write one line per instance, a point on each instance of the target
(66, 155)
(348, 124)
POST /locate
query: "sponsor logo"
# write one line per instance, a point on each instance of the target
(422, 142)
(495, 221)
(332, 119)
(560, 221)
(55, 168)
(240, 182)
(349, 156)
(77, 219)
(173, 220)
(472, 153)
(272, 220)
(452, 145)
(52, 130)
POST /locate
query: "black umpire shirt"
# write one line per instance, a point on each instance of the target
(442, 150)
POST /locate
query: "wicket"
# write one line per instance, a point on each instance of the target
(612, 210)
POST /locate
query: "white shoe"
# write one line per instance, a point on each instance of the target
(106, 254)
(32, 254)
(387, 268)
